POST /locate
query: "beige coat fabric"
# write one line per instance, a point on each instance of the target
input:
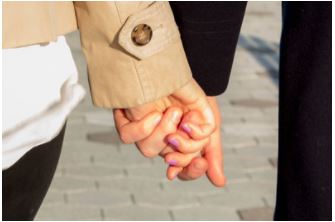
(121, 73)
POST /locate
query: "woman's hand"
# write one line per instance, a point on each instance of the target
(190, 166)
(147, 127)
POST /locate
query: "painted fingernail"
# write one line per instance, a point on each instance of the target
(172, 162)
(174, 143)
(186, 128)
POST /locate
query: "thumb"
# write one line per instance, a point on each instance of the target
(213, 155)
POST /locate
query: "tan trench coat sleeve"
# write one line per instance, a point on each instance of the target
(28, 23)
(121, 74)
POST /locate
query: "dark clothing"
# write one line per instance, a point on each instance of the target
(209, 32)
(25, 184)
(304, 164)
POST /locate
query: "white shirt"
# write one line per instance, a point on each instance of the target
(40, 89)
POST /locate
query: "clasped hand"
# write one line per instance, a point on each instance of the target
(183, 128)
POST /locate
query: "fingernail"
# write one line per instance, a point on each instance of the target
(172, 162)
(186, 128)
(157, 119)
(176, 117)
(174, 143)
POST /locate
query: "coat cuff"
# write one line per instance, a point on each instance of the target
(124, 75)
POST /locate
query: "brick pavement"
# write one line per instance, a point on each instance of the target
(98, 178)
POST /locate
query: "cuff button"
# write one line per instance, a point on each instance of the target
(141, 34)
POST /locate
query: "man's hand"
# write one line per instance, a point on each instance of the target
(139, 125)
(195, 165)
(192, 166)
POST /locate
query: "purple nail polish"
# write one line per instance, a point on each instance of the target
(174, 143)
(186, 128)
(172, 162)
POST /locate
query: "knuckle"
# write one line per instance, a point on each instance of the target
(144, 129)
(147, 152)
(124, 137)
(168, 129)
(194, 146)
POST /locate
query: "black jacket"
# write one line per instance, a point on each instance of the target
(209, 32)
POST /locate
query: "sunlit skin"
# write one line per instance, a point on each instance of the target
(147, 127)
(192, 166)
(180, 128)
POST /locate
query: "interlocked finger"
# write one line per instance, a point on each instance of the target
(155, 143)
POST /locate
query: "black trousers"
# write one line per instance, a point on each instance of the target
(305, 146)
(25, 184)
(209, 32)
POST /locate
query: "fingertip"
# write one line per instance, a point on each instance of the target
(216, 176)
(186, 128)
(173, 142)
(169, 176)
(220, 182)
(171, 162)
(172, 172)
(196, 131)
(167, 157)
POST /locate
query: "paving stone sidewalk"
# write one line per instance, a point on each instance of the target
(98, 178)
